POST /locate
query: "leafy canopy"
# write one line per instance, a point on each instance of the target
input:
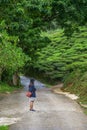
(63, 55)
(11, 56)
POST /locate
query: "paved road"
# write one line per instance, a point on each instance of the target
(53, 111)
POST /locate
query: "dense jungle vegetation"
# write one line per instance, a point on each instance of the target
(65, 59)
(47, 39)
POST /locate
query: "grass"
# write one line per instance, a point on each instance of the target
(85, 111)
(4, 128)
(76, 83)
(4, 88)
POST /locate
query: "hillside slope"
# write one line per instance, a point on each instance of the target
(66, 59)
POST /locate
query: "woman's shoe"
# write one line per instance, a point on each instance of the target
(32, 110)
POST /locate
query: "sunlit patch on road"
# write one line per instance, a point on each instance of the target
(8, 121)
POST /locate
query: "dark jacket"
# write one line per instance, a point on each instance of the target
(32, 89)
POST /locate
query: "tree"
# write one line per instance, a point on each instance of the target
(63, 55)
(26, 19)
(11, 57)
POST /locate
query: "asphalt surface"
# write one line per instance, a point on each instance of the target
(53, 111)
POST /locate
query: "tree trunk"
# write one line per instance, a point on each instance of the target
(16, 79)
(1, 70)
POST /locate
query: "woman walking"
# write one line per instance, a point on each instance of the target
(32, 98)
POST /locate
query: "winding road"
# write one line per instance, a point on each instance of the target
(53, 111)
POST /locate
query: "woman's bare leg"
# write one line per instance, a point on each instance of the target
(31, 105)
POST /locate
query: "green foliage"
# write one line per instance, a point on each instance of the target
(85, 111)
(65, 59)
(76, 82)
(11, 57)
(5, 88)
(3, 127)
(67, 12)
(63, 55)
(25, 20)
(22, 22)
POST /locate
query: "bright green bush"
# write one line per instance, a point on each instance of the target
(5, 88)
(63, 55)
(65, 59)
(3, 127)
(12, 57)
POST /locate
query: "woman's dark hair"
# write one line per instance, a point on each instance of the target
(31, 82)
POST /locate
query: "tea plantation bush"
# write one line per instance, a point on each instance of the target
(66, 59)
(63, 55)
